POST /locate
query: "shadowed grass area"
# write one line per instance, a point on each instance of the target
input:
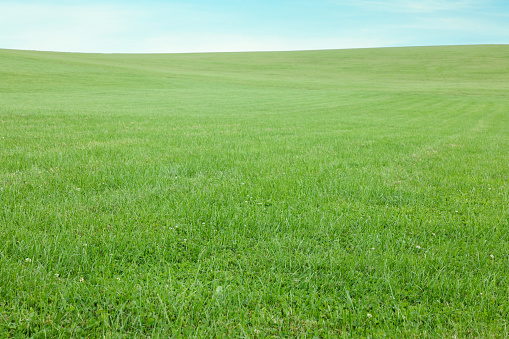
(338, 193)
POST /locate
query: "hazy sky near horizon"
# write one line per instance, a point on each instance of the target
(152, 26)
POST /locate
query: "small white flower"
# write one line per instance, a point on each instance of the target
(57, 275)
(372, 248)
(28, 260)
(118, 279)
(433, 233)
(185, 240)
(492, 256)
(418, 247)
(85, 245)
(82, 280)
(370, 315)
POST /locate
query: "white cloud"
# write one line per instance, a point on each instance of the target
(458, 24)
(130, 29)
(419, 6)
(175, 28)
(63, 28)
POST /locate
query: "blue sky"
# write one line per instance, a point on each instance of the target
(150, 26)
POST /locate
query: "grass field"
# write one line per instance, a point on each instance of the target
(342, 193)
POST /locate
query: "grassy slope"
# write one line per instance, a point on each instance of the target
(255, 194)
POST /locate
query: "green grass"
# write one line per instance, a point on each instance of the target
(348, 193)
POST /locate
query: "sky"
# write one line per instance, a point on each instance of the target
(178, 26)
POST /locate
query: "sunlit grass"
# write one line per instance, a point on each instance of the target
(322, 193)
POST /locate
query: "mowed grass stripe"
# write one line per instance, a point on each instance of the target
(314, 193)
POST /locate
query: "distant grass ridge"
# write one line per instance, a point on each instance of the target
(340, 193)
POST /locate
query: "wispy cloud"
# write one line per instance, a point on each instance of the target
(470, 26)
(419, 6)
(58, 27)
(156, 29)
(112, 26)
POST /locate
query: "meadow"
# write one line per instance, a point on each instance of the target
(314, 194)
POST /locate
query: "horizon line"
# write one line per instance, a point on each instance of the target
(254, 51)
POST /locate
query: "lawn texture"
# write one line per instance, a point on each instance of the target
(339, 193)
